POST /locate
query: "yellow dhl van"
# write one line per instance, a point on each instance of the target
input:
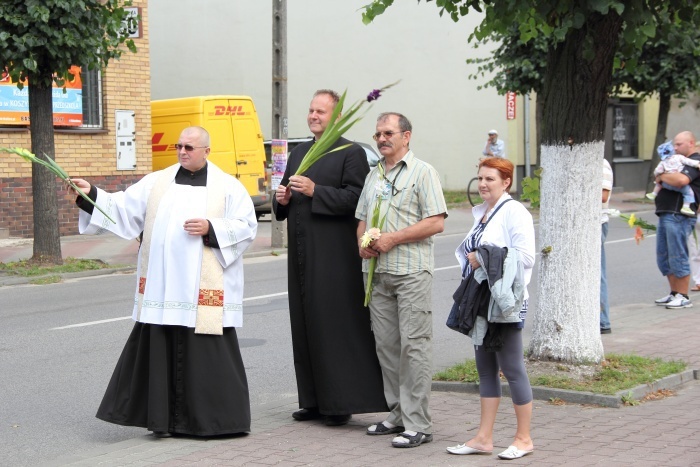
(236, 137)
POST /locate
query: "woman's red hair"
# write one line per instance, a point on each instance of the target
(504, 166)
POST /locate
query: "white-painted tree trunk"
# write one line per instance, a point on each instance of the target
(566, 323)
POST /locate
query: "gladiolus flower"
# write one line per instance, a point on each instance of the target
(369, 236)
(374, 95)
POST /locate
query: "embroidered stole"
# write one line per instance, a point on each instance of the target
(210, 304)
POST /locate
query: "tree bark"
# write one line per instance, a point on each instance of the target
(47, 239)
(664, 108)
(575, 96)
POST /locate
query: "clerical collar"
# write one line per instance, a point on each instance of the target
(198, 178)
(198, 173)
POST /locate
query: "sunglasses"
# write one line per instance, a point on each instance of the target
(188, 147)
(385, 134)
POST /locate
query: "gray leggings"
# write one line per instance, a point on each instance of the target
(510, 360)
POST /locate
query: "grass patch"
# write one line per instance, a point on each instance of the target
(455, 197)
(616, 373)
(43, 280)
(462, 372)
(458, 198)
(29, 268)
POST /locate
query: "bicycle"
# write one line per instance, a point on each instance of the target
(473, 191)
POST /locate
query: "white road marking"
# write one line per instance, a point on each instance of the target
(92, 323)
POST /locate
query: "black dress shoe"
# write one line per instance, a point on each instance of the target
(162, 434)
(304, 415)
(337, 420)
(605, 330)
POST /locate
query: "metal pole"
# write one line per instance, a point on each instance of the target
(526, 112)
(279, 98)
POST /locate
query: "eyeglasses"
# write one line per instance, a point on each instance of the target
(386, 134)
(188, 148)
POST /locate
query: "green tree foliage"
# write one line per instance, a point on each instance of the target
(579, 39)
(39, 41)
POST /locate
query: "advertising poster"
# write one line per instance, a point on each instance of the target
(67, 106)
(279, 161)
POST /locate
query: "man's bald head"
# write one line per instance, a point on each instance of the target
(684, 143)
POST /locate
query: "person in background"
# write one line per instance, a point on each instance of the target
(336, 368)
(694, 249)
(494, 147)
(674, 228)
(604, 305)
(181, 369)
(504, 223)
(671, 163)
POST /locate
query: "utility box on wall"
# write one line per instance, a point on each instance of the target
(126, 139)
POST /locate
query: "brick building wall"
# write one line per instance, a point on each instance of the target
(84, 153)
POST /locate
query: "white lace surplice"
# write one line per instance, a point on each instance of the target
(175, 258)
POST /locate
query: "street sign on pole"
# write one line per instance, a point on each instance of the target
(279, 100)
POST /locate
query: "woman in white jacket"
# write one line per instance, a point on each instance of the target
(512, 227)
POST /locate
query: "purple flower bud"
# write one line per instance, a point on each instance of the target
(374, 95)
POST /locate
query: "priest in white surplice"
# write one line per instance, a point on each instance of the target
(181, 369)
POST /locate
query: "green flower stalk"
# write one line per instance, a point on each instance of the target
(373, 233)
(336, 128)
(55, 169)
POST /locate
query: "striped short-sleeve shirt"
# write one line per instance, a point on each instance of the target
(410, 192)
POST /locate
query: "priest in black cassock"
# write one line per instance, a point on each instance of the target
(336, 364)
(181, 370)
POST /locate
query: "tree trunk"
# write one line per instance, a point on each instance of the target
(47, 239)
(575, 92)
(664, 108)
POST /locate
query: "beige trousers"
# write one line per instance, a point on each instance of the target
(402, 322)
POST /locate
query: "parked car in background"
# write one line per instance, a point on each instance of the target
(370, 152)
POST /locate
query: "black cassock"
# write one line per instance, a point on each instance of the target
(334, 351)
(170, 379)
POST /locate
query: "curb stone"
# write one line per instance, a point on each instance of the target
(581, 397)
(668, 382)
(19, 280)
(6, 280)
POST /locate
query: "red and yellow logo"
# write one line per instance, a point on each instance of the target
(236, 110)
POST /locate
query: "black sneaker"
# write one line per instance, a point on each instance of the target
(605, 330)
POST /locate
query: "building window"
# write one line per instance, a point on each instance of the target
(625, 129)
(92, 98)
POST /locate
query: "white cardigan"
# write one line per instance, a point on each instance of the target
(511, 227)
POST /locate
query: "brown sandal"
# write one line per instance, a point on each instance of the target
(696, 288)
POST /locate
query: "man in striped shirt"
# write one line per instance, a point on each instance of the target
(409, 196)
